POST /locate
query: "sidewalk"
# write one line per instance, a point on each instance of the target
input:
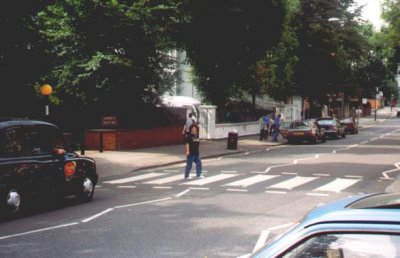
(113, 163)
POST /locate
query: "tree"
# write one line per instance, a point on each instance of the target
(22, 60)
(109, 56)
(391, 14)
(330, 44)
(275, 71)
(224, 39)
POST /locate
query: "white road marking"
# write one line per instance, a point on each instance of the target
(385, 173)
(289, 173)
(165, 180)
(317, 194)
(209, 180)
(321, 175)
(351, 176)
(140, 203)
(256, 172)
(170, 170)
(276, 192)
(182, 193)
(162, 187)
(277, 166)
(133, 178)
(39, 230)
(236, 190)
(251, 180)
(261, 240)
(228, 171)
(199, 188)
(364, 142)
(293, 182)
(127, 186)
(337, 185)
(97, 215)
(281, 226)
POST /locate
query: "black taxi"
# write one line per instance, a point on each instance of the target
(34, 161)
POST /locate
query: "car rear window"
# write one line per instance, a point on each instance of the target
(325, 122)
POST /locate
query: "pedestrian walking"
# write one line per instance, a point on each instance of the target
(193, 152)
(189, 121)
(264, 127)
(276, 128)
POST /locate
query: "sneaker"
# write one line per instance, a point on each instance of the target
(200, 176)
(188, 178)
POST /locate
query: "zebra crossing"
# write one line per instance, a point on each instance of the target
(279, 183)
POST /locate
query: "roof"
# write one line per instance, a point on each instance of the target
(7, 122)
(382, 207)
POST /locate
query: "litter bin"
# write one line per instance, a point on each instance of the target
(232, 140)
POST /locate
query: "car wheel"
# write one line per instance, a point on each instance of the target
(315, 139)
(86, 190)
(12, 203)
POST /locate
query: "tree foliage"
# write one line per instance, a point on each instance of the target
(391, 14)
(111, 54)
(22, 58)
(224, 39)
(330, 45)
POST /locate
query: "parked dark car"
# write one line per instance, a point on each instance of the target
(300, 131)
(356, 226)
(350, 124)
(333, 127)
(34, 162)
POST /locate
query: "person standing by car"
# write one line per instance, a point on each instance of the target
(271, 125)
(276, 128)
(186, 128)
(264, 127)
(193, 152)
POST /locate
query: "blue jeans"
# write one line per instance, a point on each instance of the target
(189, 161)
(275, 135)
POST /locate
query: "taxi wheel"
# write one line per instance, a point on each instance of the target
(11, 203)
(86, 190)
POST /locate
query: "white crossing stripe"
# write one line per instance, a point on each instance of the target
(165, 180)
(337, 185)
(133, 178)
(209, 180)
(251, 180)
(293, 182)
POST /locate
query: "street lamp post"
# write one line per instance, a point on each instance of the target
(376, 101)
(46, 91)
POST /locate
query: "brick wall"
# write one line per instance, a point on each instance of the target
(133, 139)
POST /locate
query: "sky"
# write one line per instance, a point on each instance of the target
(371, 11)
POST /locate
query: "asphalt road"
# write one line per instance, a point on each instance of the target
(243, 200)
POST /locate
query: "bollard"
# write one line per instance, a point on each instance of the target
(83, 144)
(101, 147)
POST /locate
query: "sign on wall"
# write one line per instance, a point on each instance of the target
(109, 122)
